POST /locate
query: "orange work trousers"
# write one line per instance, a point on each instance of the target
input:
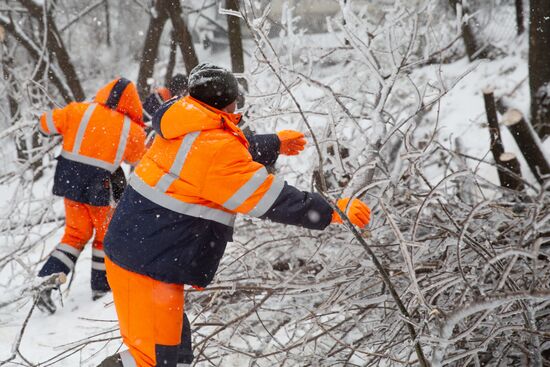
(150, 315)
(80, 222)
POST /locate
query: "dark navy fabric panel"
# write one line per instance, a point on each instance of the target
(98, 259)
(264, 148)
(185, 349)
(300, 208)
(152, 104)
(159, 113)
(118, 183)
(53, 265)
(148, 239)
(166, 355)
(116, 93)
(81, 182)
(98, 281)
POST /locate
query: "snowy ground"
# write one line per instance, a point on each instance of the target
(51, 338)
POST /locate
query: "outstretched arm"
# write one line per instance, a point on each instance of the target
(53, 122)
(239, 184)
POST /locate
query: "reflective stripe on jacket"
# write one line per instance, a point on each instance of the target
(174, 221)
(97, 137)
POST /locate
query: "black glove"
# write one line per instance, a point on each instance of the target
(118, 183)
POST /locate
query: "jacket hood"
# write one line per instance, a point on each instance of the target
(182, 116)
(121, 95)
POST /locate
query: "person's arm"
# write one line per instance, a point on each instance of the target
(242, 185)
(53, 122)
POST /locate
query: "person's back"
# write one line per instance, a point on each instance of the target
(97, 137)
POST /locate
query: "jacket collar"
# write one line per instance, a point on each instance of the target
(229, 120)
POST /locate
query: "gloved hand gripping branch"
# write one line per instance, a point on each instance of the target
(357, 212)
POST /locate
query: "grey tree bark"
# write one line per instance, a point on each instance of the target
(183, 36)
(235, 40)
(539, 64)
(57, 48)
(150, 48)
(528, 142)
(468, 34)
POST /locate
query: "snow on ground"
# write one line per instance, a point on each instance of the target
(462, 109)
(79, 318)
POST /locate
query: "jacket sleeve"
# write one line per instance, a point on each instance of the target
(151, 105)
(54, 122)
(264, 148)
(300, 208)
(239, 184)
(136, 145)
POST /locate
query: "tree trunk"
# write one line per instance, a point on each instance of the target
(183, 36)
(32, 49)
(490, 109)
(520, 17)
(512, 180)
(171, 59)
(528, 142)
(11, 88)
(26, 143)
(468, 34)
(150, 48)
(235, 41)
(539, 63)
(56, 48)
(107, 23)
(505, 162)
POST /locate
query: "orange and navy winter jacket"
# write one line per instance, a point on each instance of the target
(177, 214)
(97, 137)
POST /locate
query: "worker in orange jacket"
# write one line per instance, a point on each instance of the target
(97, 138)
(175, 218)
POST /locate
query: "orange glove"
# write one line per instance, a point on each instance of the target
(358, 212)
(292, 142)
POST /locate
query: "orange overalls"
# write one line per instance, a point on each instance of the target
(97, 138)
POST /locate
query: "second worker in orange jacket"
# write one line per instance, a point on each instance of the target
(97, 138)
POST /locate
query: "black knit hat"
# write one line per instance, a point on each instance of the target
(178, 85)
(213, 85)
